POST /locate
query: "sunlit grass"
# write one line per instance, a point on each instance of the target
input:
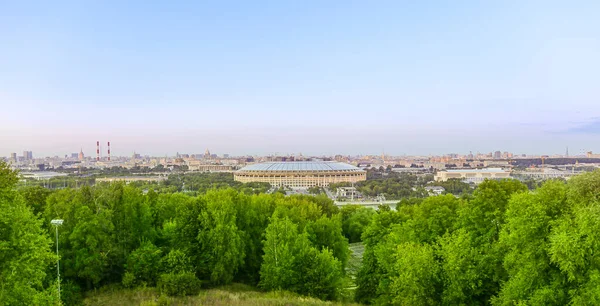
(235, 294)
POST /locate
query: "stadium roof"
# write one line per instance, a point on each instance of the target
(301, 166)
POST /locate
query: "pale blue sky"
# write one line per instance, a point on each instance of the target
(317, 77)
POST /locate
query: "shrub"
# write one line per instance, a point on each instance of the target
(179, 284)
(128, 280)
(143, 264)
(176, 261)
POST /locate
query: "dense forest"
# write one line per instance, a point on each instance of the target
(117, 234)
(504, 245)
(501, 245)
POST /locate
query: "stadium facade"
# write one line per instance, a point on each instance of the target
(300, 174)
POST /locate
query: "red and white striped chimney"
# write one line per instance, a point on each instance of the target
(109, 151)
(97, 150)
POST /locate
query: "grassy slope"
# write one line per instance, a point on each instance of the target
(236, 294)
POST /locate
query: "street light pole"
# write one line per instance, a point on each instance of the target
(57, 223)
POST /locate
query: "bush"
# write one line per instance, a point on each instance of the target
(179, 284)
(143, 265)
(176, 261)
(128, 280)
(70, 293)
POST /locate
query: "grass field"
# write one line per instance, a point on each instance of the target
(236, 295)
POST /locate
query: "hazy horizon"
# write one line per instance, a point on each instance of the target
(348, 77)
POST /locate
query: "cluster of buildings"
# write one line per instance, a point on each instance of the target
(304, 172)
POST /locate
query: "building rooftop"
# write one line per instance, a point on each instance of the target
(498, 170)
(301, 166)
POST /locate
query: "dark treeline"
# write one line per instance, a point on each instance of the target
(115, 234)
(504, 245)
(194, 182)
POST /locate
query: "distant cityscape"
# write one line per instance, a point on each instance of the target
(470, 168)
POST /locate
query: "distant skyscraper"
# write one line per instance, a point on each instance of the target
(207, 154)
(81, 157)
(497, 155)
(13, 157)
(27, 155)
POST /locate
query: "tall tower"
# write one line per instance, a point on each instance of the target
(108, 151)
(567, 151)
(97, 150)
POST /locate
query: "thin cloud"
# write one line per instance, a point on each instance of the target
(590, 127)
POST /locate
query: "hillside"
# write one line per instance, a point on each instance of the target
(237, 295)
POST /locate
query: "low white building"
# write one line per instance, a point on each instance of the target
(472, 175)
(346, 192)
(436, 190)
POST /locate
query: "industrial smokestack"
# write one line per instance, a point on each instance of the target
(109, 151)
(97, 150)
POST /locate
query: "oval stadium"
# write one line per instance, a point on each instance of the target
(300, 174)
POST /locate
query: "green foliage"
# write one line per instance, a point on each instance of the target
(221, 240)
(25, 249)
(179, 284)
(394, 186)
(414, 276)
(142, 264)
(35, 197)
(176, 261)
(316, 190)
(501, 245)
(277, 271)
(292, 263)
(203, 182)
(326, 233)
(454, 186)
(355, 219)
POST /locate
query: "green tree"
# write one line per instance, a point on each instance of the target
(221, 240)
(326, 233)
(291, 262)
(532, 278)
(35, 197)
(414, 276)
(144, 264)
(277, 270)
(354, 221)
(372, 272)
(25, 248)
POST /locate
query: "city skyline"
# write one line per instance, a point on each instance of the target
(312, 77)
(103, 153)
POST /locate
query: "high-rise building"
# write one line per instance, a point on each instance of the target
(27, 155)
(13, 157)
(81, 157)
(497, 155)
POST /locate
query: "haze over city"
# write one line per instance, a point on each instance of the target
(348, 77)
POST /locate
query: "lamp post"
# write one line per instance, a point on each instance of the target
(57, 223)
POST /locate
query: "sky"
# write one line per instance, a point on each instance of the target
(312, 77)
